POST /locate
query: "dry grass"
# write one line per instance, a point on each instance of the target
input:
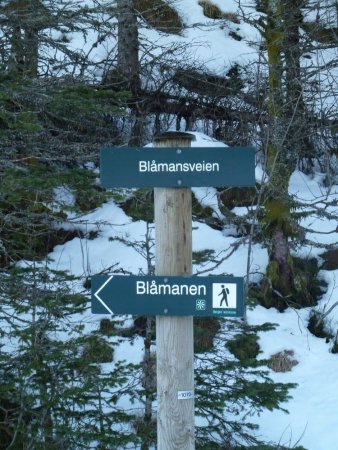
(160, 15)
(282, 361)
(212, 11)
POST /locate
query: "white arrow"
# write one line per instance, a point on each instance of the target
(100, 299)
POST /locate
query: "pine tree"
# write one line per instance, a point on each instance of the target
(290, 130)
(55, 393)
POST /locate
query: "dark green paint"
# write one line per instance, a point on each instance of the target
(118, 295)
(120, 167)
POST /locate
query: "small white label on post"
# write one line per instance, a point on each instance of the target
(185, 395)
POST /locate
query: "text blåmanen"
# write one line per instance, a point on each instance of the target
(153, 166)
(154, 288)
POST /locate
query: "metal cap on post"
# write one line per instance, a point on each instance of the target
(174, 335)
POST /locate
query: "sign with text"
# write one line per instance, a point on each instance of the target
(170, 296)
(177, 167)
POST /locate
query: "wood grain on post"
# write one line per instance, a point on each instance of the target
(174, 335)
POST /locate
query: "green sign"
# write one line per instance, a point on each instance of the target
(171, 296)
(177, 167)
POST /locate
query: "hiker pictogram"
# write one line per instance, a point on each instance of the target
(224, 293)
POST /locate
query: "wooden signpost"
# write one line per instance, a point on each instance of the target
(172, 168)
(174, 335)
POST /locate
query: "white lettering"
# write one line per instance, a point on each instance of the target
(184, 289)
(142, 166)
(193, 289)
(202, 289)
(175, 289)
(153, 166)
(140, 287)
(164, 289)
(154, 288)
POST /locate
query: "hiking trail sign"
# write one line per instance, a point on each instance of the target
(168, 296)
(173, 291)
(177, 167)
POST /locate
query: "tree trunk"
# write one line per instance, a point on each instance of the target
(24, 40)
(279, 283)
(128, 66)
(284, 283)
(32, 52)
(297, 138)
(280, 253)
(128, 46)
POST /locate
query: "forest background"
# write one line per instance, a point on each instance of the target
(76, 76)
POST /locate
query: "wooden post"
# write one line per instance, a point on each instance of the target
(174, 335)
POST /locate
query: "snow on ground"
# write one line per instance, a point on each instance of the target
(212, 39)
(312, 419)
(203, 43)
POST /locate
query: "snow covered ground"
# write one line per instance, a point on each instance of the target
(312, 419)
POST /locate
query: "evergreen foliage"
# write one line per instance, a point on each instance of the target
(230, 389)
(55, 389)
(57, 119)
(61, 387)
(31, 207)
(53, 393)
(205, 329)
(227, 393)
